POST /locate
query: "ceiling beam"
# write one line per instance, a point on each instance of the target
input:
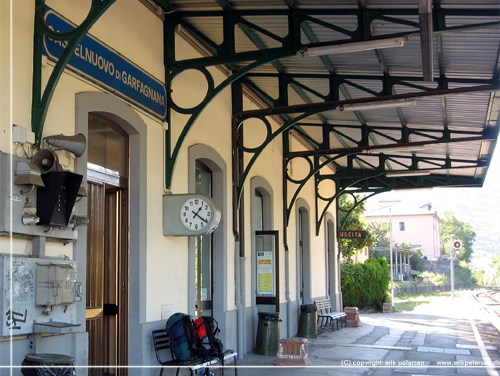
(426, 38)
(375, 148)
(331, 105)
(291, 43)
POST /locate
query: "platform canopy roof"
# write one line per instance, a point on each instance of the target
(385, 93)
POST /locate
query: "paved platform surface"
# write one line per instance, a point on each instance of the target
(443, 337)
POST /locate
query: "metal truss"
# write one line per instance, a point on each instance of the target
(271, 48)
(373, 179)
(305, 19)
(349, 178)
(242, 65)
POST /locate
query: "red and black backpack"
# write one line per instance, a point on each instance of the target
(206, 329)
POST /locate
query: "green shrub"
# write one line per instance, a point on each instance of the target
(437, 278)
(351, 276)
(365, 285)
(416, 259)
(463, 276)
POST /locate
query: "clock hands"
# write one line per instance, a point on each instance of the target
(196, 213)
(199, 216)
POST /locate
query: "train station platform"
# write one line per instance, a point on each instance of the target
(442, 337)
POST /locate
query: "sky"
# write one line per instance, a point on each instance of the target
(480, 207)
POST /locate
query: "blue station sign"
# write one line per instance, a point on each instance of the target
(109, 69)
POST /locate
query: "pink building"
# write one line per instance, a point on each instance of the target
(418, 226)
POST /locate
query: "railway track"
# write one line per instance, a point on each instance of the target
(489, 300)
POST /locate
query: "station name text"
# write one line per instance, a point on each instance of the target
(106, 66)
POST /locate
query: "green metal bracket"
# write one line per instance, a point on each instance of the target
(212, 92)
(269, 138)
(315, 168)
(349, 210)
(339, 191)
(40, 103)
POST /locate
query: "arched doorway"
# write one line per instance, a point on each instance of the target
(134, 126)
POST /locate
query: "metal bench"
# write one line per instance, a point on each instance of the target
(327, 316)
(166, 357)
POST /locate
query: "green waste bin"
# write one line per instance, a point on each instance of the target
(48, 365)
(308, 321)
(268, 334)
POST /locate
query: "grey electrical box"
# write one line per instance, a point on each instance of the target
(14, 202)
(18, 294)
(55, 284)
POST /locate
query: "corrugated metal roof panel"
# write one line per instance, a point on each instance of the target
(323, 34)
(471, 54)
(467, 4)
(209, 26)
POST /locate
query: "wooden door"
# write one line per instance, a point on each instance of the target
(107, 279)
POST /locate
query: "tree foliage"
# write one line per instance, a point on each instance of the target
(452, 229)
(490, 276)
(380, 231)
(495, 269)
(355, 221)
(416, 259)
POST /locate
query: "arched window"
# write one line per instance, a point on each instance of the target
(208, 262)
(303, 252)
(265, 252)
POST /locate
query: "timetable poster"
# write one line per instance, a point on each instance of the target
(265, 270)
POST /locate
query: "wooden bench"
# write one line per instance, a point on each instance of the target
(327, 316)
(166, 357)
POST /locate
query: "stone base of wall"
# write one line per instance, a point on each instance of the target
(387, 308)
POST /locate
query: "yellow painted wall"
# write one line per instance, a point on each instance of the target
(135, 32)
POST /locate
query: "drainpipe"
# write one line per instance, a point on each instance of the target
(239, 264)
(239, 251)
(287, 292)
(289, 312)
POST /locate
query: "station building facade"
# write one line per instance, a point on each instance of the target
(132, 274)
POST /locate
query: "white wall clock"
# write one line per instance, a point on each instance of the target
(190, 214)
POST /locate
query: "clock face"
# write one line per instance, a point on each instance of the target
(190, 214)
(196, 214)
